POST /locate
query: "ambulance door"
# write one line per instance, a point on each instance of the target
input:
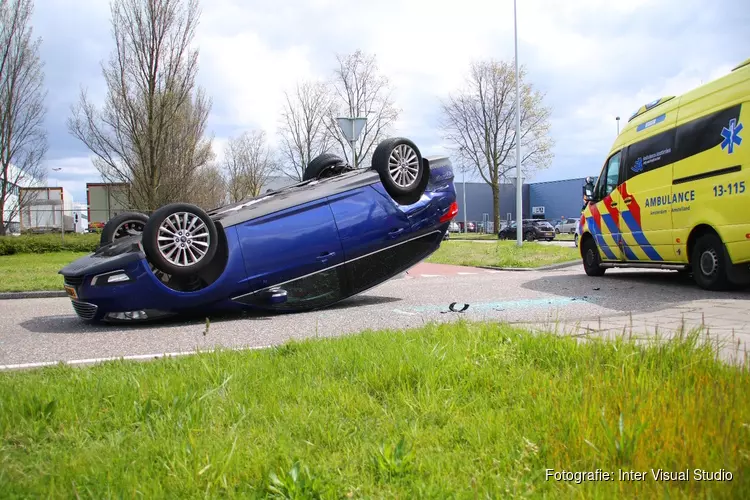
(603, 212)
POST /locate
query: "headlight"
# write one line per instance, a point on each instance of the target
(111, 278)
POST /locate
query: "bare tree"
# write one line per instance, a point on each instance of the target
(23, 138)
(480, 122)
(303, 130)
(360, 91)
(210, 189)
(187, 155)
(248, 164)
(150, 130)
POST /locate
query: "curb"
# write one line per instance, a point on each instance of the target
(543, 268)
(33, 295)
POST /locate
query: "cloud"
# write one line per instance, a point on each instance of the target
(252, 76)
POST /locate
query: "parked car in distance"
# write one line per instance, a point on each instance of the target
(454, 228)
(471, 227)
(533, 229)
(578, 232)
(566, 226)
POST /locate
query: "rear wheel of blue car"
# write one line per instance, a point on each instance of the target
(180, 239)
(324, 166)
(122, 226)
(402, 171)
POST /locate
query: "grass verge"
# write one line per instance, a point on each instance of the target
(454, 410)
(564, 237)
(34, 272)
(503, 254)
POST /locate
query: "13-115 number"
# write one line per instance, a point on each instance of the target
(737, 187)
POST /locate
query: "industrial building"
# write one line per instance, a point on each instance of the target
(553, 200)
(14, 181)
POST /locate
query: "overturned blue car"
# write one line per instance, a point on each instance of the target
(337, 233)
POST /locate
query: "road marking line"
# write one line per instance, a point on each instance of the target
(508, 305)
(132, 357)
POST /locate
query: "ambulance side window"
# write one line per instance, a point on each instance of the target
(650, 154)
(610, 178)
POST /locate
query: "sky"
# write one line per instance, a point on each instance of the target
(593, 60)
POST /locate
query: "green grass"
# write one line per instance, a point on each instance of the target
(473, 236)
(34, 272)
(449, 411)
(502, 254)
(51, 242)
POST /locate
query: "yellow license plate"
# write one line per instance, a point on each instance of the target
(71, 292)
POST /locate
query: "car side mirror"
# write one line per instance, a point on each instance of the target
(275, 296)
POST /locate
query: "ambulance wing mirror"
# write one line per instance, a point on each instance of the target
(588, 190)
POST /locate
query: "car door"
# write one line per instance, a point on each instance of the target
(297, 248)
(369, 222)
(603, 219)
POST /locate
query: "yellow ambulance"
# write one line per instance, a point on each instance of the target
(674, 192)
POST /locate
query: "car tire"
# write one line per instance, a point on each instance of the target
(529, 236)
(121, 226)
(180, 220)
(591, 259)
(710, 263)
(325, 165)
(402, 171)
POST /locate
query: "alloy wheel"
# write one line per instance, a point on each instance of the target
(183, 239)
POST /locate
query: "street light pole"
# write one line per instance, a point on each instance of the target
(519, 180)
(465, 229)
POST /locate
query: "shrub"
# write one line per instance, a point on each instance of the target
(45, 243)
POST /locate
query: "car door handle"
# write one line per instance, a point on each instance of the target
(395, 232)
(628, 199)
(325, 256)
(613, 204)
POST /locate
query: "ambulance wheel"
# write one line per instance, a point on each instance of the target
(710, 263)
(591, 258)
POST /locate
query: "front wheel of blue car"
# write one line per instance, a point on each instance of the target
(180, 239)
(402, 171)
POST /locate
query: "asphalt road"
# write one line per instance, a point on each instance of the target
(46, 330)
